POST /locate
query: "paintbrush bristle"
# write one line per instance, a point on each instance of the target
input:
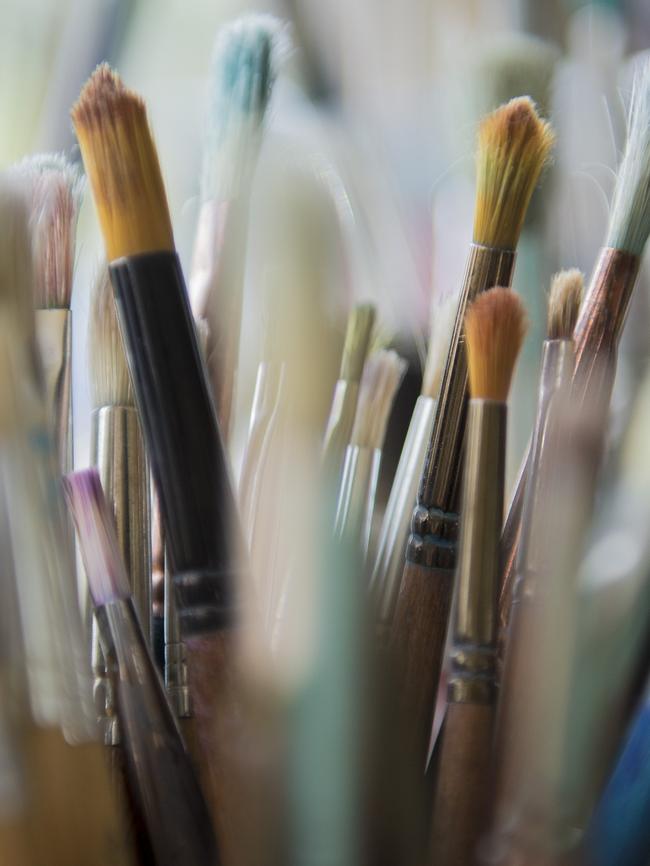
(357, 341)
(110, 380)
(382, 376)
(244, 66)
(16, 274)
(95, 522)
(56, 187)
(122, 165)
(495, 327)
(564, 303)
(443, 317)
(514, 144)
(629, 223)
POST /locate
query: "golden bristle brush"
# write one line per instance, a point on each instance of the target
(380, 381)
(162, 779)
(556, 369)
(64, 759)
(247, 54)
(513, 145)
(56, 188)
(117, 449)
(600, 323)
(346, 391)
(389, 559)
(495, 326)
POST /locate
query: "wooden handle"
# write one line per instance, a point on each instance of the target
(460, 809)
(418, 639)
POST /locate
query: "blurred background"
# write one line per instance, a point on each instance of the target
(382, 98)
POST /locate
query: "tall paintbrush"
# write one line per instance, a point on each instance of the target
(56, 190)
(117, 449)
(389, 560)
(184, 446)
(603, 312)
(243, 72)
(161, 773)
(346, 391)
(556, 368)
(382, 376)
(495, 326)
(513, 145)
(63, 757)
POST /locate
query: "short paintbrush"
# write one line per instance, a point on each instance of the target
(117, 450)
(607, 299)
(556, 368)
(159, 768)
(382, 376)
(56, 189)
(183, 443)
(494, 327)
(243, 72)
(513, 145)
(389, 559)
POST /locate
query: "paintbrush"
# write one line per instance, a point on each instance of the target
(159, 768)
(495, 326)
(117, 449)
(244, 67)
(63, 758)
(556, 367)
(183, 443)
(346, 391)
(56, 188)
(599, 325)
(382, 375)
(389, 559)
(513, 145)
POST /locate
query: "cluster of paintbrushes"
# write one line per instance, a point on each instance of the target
(334, 685)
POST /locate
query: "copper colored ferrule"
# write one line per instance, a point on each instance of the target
(603, 311)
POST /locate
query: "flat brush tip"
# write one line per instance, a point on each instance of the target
(514, 144)
(564, 302)
(495, 327)
(110, 379)
(357, 340)
(382, 376)
(122, 166)
(107, 579)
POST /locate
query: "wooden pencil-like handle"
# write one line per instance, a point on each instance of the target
(461, 802)
(418, 639)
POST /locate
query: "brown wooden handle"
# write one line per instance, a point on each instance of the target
(418, 642)
(461, 801)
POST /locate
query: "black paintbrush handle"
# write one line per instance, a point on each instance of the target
(181, 434)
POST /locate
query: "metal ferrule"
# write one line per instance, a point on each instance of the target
(176, 670)
(556, 373)
(389, 561)
(54, 337)
(103, 694)
(162, 778)
(435, 520)
(475, 628)
(356, 502)
(339, 425)
(118, 452)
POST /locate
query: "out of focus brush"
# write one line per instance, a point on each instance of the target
(243, 72)
(346, 391)
(600, 323)
(556, 370)
(159, 768)
(184, 446)
(56, 188)
(389, 560)
(382, 376)
(117, 450)
(513, 146)
(495, 326)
